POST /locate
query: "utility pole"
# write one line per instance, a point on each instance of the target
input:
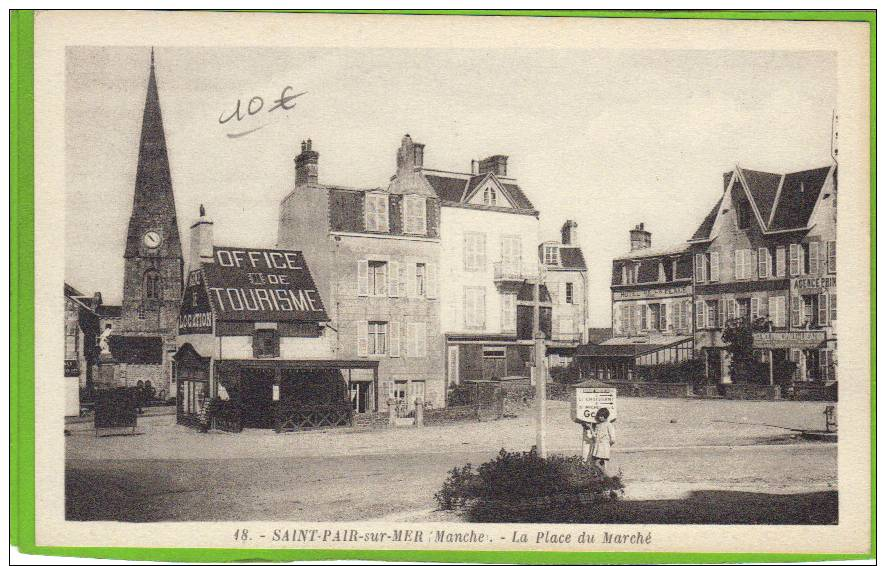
(540, 377)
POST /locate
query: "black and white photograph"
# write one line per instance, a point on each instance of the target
(453, 286)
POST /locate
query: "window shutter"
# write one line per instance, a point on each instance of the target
(780, 261)
(721, 310)
(823, 363)
(730, 310)
(369, 212)
(832, 256)
(431, 280)
(773, 310)
(664, 317)
(739, 266)
(781, 302)
(755, 308)
(823, 309)
(403, 277)
(795, 311)
(388, 389)
(362, 338)
(394, 279)
(482, 252)
(699, 314)
(467, 253)
(394, 339)
(383, 213)
(763, 263)
(644, 317)
(795, 260)
(833, 307)
(564, 296)
(753, 271)
(715, 266)
(362, 278)
(813, 258)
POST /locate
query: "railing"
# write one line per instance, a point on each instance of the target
(294, 417)
(514, 271)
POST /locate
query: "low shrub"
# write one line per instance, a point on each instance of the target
(688, 371)
(524, 478)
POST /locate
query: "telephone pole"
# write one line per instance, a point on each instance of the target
(540, 377)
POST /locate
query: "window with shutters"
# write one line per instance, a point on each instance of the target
(511, 253)
(700, 316)
(764, 263)
(570, 298)
(700, 261)
(832, 304)
(415, 214)
(742, 308)
(795, 257)
(551, 254)
(475, 307)
(378, 278)
(744, 264)
(832, 256)
(713, 261)
(823, 312)
(376, 213)
(780, 261)
(755, 308)
(777, 311)
(378, 334)
(712, 308)
(266, 343)
(475, 251)
(813, 249)
(509, 313)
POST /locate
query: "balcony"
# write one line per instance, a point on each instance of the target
(513, 272)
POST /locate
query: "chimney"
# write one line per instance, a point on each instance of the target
(640, 238)
(306, 168)
(569, 233)
(475, 167)
(497, 164)
(201, 241)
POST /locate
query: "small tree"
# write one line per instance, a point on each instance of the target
(739, 339)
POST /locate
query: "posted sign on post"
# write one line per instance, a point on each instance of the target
(588, 400)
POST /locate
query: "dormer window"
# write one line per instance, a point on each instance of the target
(490, 196)
(376, 212)
(415, 215)
(552, 255)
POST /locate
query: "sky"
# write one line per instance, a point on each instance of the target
(609, 138)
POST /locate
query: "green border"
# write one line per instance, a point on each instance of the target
(21, 269)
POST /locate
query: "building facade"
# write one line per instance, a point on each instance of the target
(566, 277)
(253, 333)
(376, 252)
(81, 346)
(651, 312)
(767, 252)
(489, 240)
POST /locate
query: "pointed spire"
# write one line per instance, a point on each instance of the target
(153, 201)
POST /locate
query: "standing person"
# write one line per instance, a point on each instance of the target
(597, 439)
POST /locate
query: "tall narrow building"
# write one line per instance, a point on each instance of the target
(153, 272)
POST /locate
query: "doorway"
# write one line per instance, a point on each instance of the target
(360, 392)
(714, 365)
(256, 397)
(495, 364)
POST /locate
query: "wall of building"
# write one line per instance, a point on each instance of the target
(493, 225)
(570, 320)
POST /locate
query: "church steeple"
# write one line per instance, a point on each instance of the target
(153, 205)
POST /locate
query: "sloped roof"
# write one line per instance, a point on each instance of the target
(456, 189)
(788, 199)
(572, 257)
(653, 252)
(240, 286)
(703, 232)
(628, 346)
(799, 193)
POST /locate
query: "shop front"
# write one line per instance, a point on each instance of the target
(808, 355)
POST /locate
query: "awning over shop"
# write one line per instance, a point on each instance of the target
(629, 346)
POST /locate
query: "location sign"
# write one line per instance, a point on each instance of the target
(588, 400)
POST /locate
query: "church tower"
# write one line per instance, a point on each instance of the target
(153, 273)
